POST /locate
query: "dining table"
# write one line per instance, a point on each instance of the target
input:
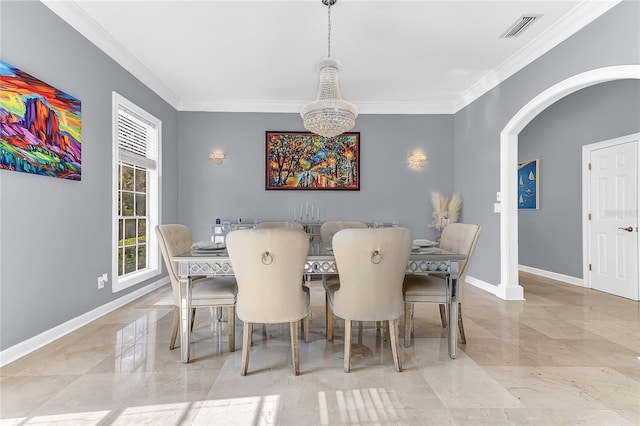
(320, 260)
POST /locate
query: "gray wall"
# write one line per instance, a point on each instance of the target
(612, 39)
(390, 190)
(55, 235)
(556, 136)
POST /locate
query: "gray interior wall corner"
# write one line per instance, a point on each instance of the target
(612, 39)
(56, 234)
(556, 137)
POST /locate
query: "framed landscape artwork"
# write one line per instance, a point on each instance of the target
(40, 126)
(306, 161)
(528, 185)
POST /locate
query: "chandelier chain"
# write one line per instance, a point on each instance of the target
(329, 32)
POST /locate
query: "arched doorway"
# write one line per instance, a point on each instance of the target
(509, 287)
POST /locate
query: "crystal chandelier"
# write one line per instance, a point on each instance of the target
(329, 115)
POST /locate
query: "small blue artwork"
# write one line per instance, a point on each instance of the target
(528, 189)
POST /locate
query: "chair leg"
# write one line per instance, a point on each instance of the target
(385, 331)
(219, 313)
(246, 347)
(294, 346)
(329, 320)
(443, 315)
(408, 323)
(231, 313)
(347, 345)
(193, 317)
(463, 338)
(305, 328)
(176, 326)
(395, 344)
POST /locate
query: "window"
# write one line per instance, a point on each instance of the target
(136, 182)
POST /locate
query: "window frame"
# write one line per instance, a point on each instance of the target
(153, 210)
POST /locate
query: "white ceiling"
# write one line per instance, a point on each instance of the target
(397, 56)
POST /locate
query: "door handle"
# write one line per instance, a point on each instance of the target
(628, 229)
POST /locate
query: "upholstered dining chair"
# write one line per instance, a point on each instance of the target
(218, 292)
(420, 288)
(269, 266)
(278, 224)
(371, 264)
(327, 231)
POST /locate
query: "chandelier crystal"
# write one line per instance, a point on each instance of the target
(329, 115)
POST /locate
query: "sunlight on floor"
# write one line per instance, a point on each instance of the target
(360, 406)
(257, 411)
(67, 419)
(357, 406)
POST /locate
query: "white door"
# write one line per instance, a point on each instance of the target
(613, 228)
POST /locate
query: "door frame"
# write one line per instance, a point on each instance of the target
(509, 287)
(586, 197)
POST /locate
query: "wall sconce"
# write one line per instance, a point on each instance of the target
(216, 157)
(417, 160)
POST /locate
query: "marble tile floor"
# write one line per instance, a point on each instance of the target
(565, 356)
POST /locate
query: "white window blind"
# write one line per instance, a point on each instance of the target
(136, 186)
(136, 139)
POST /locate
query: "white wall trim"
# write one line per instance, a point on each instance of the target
(295, 106)
(509, 285)
(553, 275)
(579, 17)
(482, 285)
(26, 347)
(75, 16)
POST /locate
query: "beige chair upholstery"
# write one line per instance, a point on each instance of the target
(327, 231)
(267, 224)
(372, 265)
(458, 238)
(175, 239)
(269, 266)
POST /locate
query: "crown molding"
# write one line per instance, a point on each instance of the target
(73, 15)
(580, 16)
(576, 19)
(295, 106)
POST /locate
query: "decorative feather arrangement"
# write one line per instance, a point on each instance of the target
(445, 210)
(455, 205)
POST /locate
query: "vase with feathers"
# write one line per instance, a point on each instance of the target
(446, 210)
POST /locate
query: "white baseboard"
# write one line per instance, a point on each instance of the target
(26, 347)
(552, 275)
(482, 285)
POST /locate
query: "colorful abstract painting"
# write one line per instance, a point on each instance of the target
(528, 188)
(306, 161)
(40, 126)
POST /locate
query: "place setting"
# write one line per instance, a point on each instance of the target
(207, 247)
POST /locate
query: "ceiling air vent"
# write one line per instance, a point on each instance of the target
(519, 26)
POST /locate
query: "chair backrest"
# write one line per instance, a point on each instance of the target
(295, 225)
(461, 238)
(269, 268)
(371, 264)
(328, 229)
(173, 239)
